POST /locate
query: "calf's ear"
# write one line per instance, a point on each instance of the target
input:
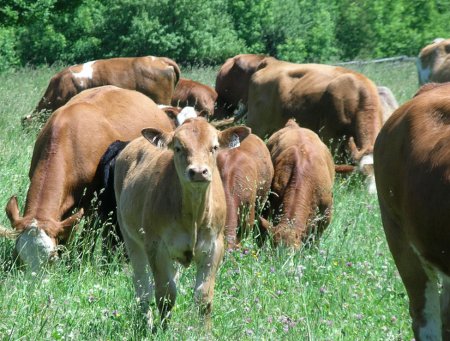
(232, 137)
(157, 137)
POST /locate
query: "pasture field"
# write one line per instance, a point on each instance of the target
(344, 288)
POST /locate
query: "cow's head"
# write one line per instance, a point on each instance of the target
(36, 240)
(195, 144)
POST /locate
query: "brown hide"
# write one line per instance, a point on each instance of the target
(191, 93)
(69, 147)
(331, 101)
(171, 207)
(232, 83)
(412, 168)
(155, 77)
(433, 62)
(302, 184)
(246, 173)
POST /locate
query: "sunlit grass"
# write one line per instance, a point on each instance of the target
(345, 287)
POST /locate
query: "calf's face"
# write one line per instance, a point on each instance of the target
(195, 144)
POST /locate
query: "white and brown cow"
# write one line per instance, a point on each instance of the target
(171, 208)
(412, 168)
(433, 62)
(191, 93)
(232, 83)
(302, 186)
(155, 77)
(332, 101)
(64, 162)
(246, 173)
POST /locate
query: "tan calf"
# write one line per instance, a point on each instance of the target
(246, 173)
(412, 168)
(302, 185)
(171, 207)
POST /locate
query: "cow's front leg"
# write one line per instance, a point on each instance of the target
(208, 262)
(164, 273)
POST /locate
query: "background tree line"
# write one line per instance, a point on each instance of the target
(209, 31)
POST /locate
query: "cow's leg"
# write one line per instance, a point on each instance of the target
(231, 221)
(445, 307)
(207, 265)
(420, 282)
(164, 273)
(141, 271)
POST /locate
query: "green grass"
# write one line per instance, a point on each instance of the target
(345, 287)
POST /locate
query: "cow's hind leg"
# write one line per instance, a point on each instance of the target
(420, 281)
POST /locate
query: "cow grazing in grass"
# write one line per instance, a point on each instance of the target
(65, 158)
(191, 93)
(155, 77)
(171, 207)
(302, 185)
(433, 62)
(232, 83)
(412, 168)
(334, 102)
(388, 101)
(246, 173)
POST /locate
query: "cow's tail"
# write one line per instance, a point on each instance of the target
(176, 68)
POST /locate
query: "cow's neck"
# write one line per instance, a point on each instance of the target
(195, 202)
(46, 193)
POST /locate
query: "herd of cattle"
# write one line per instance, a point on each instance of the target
(137, 130)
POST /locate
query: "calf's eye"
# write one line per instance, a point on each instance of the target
(177, 149)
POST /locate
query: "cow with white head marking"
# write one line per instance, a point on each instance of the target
(64, 163)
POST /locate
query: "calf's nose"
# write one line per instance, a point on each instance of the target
(199, 174)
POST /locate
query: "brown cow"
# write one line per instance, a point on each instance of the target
(155, 77)
(232, 83)
(433, 62)
(412, 168)
(246, 173)
(191, 93)
(331, 101)
(171, 207)
(302, 185)
(65, 158)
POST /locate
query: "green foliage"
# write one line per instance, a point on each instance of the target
(207, 32)
(8, 55)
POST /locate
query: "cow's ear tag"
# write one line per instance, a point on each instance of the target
(234, 141)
